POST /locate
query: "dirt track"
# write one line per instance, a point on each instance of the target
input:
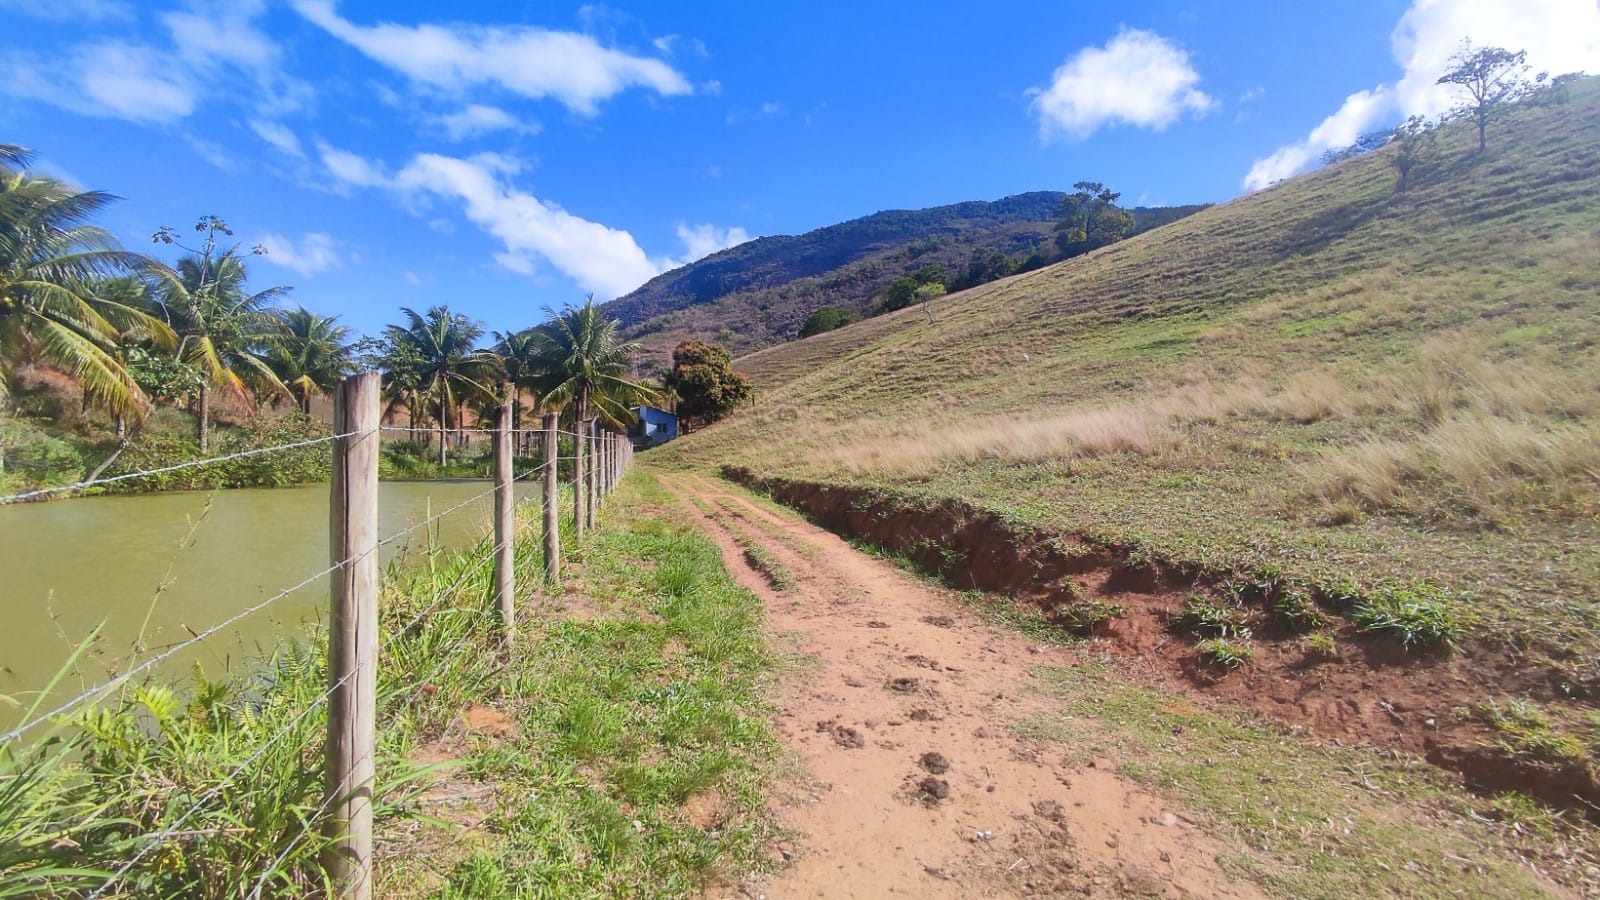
(917, 783)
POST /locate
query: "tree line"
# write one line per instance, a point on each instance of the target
(136, 334)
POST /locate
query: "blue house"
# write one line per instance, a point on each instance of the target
(655, 426)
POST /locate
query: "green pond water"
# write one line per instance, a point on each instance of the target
(185, 561)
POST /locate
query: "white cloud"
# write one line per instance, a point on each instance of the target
(316, 252)
(70, 10)
(413, 279)
(1559, 35)
(350, 169)
(156, 81)
(605, 260)
(477, 120)
(531, 62)
(278, 135)
(700, 241)
(1139, 78)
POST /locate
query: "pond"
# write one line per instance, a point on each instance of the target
(167, 565)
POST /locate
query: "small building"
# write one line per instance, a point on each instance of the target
(654, 426)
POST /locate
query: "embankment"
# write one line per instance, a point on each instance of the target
(1456, 706)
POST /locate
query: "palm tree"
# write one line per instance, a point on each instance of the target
(584, 364)
(440, 349)
(222, 331)
(309, 354)
(52, 265)
(518, 351)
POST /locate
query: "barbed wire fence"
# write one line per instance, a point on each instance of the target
(344, 815)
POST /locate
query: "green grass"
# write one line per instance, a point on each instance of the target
(634, 745)
(1324, 380)
(1312, 821)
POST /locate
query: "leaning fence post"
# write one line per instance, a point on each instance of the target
(505, 525)
(353, 637)
(552, 494)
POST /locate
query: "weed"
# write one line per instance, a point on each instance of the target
(1294, 609)
(1201, 616)
(1527, 731)
(1224, 652)
(1416, 614)
(1322, 644)
(1082, 617)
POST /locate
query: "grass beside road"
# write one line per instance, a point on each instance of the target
(620, 749)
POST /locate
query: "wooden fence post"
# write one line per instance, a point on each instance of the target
(552, 496)
(588, 433)
(577, 479)
(505, 525)
(353, 637)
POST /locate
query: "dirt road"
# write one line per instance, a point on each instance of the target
(905, 717)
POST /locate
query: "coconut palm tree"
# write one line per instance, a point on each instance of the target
(447, 368)
(518, 351)
(223, 331)
(583, 366)
(52, 265)
(309, 354)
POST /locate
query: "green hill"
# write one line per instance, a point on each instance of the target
(760, 292)
(1327, 392)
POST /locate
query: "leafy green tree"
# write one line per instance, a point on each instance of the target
(1089, 219)
(441, 360)
(53, 265)
(309, 354)
(1492, 77)
(707, 387)
(901, 293)
(1415, 142)
(828, 318)
(223, 330)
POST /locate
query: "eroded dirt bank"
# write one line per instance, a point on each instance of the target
(1371, 690)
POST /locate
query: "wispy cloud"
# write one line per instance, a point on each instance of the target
(159, 81)
(700, 241)
(477, 120)
(535, 63)
(70, 10)
(1139, 78)
(278, 135)
(313, 254)
(599, 258)
(1559, 36)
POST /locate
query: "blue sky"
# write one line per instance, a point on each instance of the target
(505, 157)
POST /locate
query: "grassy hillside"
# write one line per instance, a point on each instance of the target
(1326, 380)
(760, 292)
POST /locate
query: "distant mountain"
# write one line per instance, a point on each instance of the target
(760, 292)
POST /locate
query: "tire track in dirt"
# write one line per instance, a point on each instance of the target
(906, 725)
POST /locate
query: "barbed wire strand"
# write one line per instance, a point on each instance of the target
(178, 467)
(445, 595)
(173, 650)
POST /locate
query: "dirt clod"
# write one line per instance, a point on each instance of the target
(843, 735)
(877, 624)
(931, 790)
(903, 684)
(934, 762)
(940, 621)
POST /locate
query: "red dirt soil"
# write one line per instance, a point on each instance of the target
(1374, 691)
(919, 784)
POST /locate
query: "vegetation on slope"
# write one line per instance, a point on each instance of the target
(1327, 381)
(761, 292)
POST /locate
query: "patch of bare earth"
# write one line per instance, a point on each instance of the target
(919, 784)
